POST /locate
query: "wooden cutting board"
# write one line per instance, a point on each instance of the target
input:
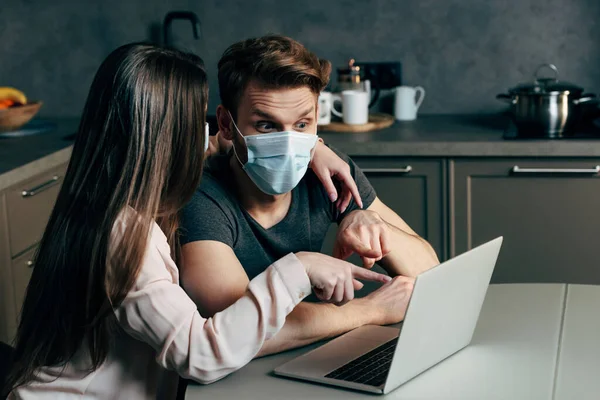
(376, 121)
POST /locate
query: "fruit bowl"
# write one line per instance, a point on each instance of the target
(14, 117)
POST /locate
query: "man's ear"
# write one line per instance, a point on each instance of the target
(225, 123)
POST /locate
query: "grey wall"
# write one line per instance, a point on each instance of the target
(463, 52)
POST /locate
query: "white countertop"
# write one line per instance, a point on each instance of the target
(532, 341)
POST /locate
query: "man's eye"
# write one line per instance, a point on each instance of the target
(264, 126)
(302, 125)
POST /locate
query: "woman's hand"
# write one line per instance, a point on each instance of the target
(327, 165)
(218, 145)
(213, 146)
(334, 280)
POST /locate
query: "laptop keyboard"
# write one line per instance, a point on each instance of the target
(370, 368)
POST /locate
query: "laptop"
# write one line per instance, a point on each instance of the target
(440, 321)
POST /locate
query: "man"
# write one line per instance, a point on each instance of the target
(259, 202)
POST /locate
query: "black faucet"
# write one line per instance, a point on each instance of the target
(190, 16)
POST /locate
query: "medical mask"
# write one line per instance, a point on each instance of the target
(206, 136)
(277, 161)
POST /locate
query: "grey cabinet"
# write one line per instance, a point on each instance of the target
(6, 289)
(547, 210)
(24, 212)
(415, 189)
(30, 204)
(21, 269)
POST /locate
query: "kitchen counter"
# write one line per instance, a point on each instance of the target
(455, 136)
(24, 157)
(532, 341)
(429, 136)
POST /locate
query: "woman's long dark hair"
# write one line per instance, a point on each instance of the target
(139, 145)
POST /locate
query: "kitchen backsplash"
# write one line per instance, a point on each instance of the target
(463, 52)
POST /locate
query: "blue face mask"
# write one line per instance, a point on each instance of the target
(277, 161)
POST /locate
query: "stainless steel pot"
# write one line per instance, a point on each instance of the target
(546, 107)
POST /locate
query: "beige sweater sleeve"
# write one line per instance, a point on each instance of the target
(157, 311)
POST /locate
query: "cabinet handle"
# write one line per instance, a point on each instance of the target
(40, 188)
(30, 264)
(406, 170)
(581, 171)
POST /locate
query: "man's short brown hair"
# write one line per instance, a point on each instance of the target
(273, 61)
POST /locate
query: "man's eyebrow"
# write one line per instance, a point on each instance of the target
(308, 111)
(266, 115)
(262, 114)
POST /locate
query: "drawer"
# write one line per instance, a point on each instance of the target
(21, 269)
(546, 209)
(7, 307)
(29, 205)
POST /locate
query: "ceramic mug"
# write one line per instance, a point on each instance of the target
(406, 103)
(325, 104)
(355, 106)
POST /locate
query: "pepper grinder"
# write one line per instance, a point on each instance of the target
(349, 77)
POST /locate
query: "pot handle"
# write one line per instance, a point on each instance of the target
(507, 98)
(551, 66)
(586, 98)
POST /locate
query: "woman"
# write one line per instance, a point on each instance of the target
(104, 316)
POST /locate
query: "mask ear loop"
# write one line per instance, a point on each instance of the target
(233, 144)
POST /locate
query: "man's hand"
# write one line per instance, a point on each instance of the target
(365, 233)
(390, 301)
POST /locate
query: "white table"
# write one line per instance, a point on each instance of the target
(532, 341)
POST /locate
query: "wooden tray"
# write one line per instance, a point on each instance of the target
(376, 121)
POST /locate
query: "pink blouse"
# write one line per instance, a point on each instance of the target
(163, 335)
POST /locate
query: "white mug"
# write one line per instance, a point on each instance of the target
(406, 102)
(355, 106)
(325, 104)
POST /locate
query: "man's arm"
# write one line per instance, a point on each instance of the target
(311, 322)
(379, 232)
(411, 254)
(213, 277)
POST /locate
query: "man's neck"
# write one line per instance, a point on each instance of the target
(268, 210)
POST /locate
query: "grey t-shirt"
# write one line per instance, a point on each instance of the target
(214, 213)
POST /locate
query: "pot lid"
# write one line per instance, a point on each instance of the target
(546, 85)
